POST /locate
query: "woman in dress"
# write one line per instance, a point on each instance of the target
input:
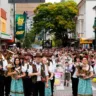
(48, 91)
(16, 83)
(85, 73)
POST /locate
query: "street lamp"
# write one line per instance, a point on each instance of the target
(94, 26)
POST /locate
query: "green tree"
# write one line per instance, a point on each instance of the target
(29, 39)
(62, 0)
(56, 18)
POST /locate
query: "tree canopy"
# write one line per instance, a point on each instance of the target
(56, 18)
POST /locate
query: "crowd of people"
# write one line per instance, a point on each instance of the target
(31, 72)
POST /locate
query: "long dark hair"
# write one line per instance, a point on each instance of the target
(15, 61)
(22, 63)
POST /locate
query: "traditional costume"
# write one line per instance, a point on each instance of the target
(85, 86)
(17, 84)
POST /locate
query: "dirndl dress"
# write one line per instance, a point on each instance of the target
(48, 90)
(17, 87)
(85, 87)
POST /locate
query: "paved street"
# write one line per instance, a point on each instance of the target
(66, 91)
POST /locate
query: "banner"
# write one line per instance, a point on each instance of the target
(20, 26)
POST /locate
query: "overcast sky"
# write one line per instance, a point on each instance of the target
(59, 1)
(53, 1)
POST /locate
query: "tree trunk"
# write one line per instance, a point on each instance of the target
(65, 40)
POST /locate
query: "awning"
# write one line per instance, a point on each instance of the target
(85, 41)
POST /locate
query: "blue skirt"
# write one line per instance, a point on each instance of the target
(85, 87)
(17, 88)
(48, 90)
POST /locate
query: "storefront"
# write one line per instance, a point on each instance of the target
(85, 43)
(3, 27)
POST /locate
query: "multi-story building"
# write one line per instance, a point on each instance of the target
(85, 21)
(6, 33)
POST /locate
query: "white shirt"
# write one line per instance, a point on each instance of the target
(75, 75)
(50, 68)
(95, 69)
(27, 68)
(54, 65)
(5, 63)
(38, 66)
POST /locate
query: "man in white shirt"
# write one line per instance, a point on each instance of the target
(27, 80)
(53, 79)
(41, 74)
(3, 67)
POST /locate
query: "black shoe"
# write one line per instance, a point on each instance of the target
(64, 83)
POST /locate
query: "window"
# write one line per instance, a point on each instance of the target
(3, 27)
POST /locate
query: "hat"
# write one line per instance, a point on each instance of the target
(47, 54)
(38, 55)
(21, 57)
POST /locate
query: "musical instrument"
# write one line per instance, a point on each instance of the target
(1, 64)
(10, 67)
(82, 71)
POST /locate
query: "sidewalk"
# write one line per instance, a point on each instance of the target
(67, 91)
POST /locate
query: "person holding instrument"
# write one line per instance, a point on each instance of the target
(16, 82)
(85, 72)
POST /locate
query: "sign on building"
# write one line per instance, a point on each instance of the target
(26, 1)
(85, 41)
(20, 26)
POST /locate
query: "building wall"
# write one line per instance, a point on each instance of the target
(81, 20)
(6, 7)
(21, 7)
(90, 15)
(85, 19)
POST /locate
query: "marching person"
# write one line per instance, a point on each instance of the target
(48, 62)
(85, 74)
(67, 76)
(7, 79)
(74, 75)
(41, 76)
(53, 62)
(27, 79)
(17, 75)
(3, 67)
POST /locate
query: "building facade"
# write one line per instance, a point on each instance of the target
(85, 21)
(6, 33)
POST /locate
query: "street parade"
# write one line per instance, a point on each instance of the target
(47, 47)
(29, 72)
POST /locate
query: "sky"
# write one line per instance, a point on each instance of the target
(60, 0)
(52, 1)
